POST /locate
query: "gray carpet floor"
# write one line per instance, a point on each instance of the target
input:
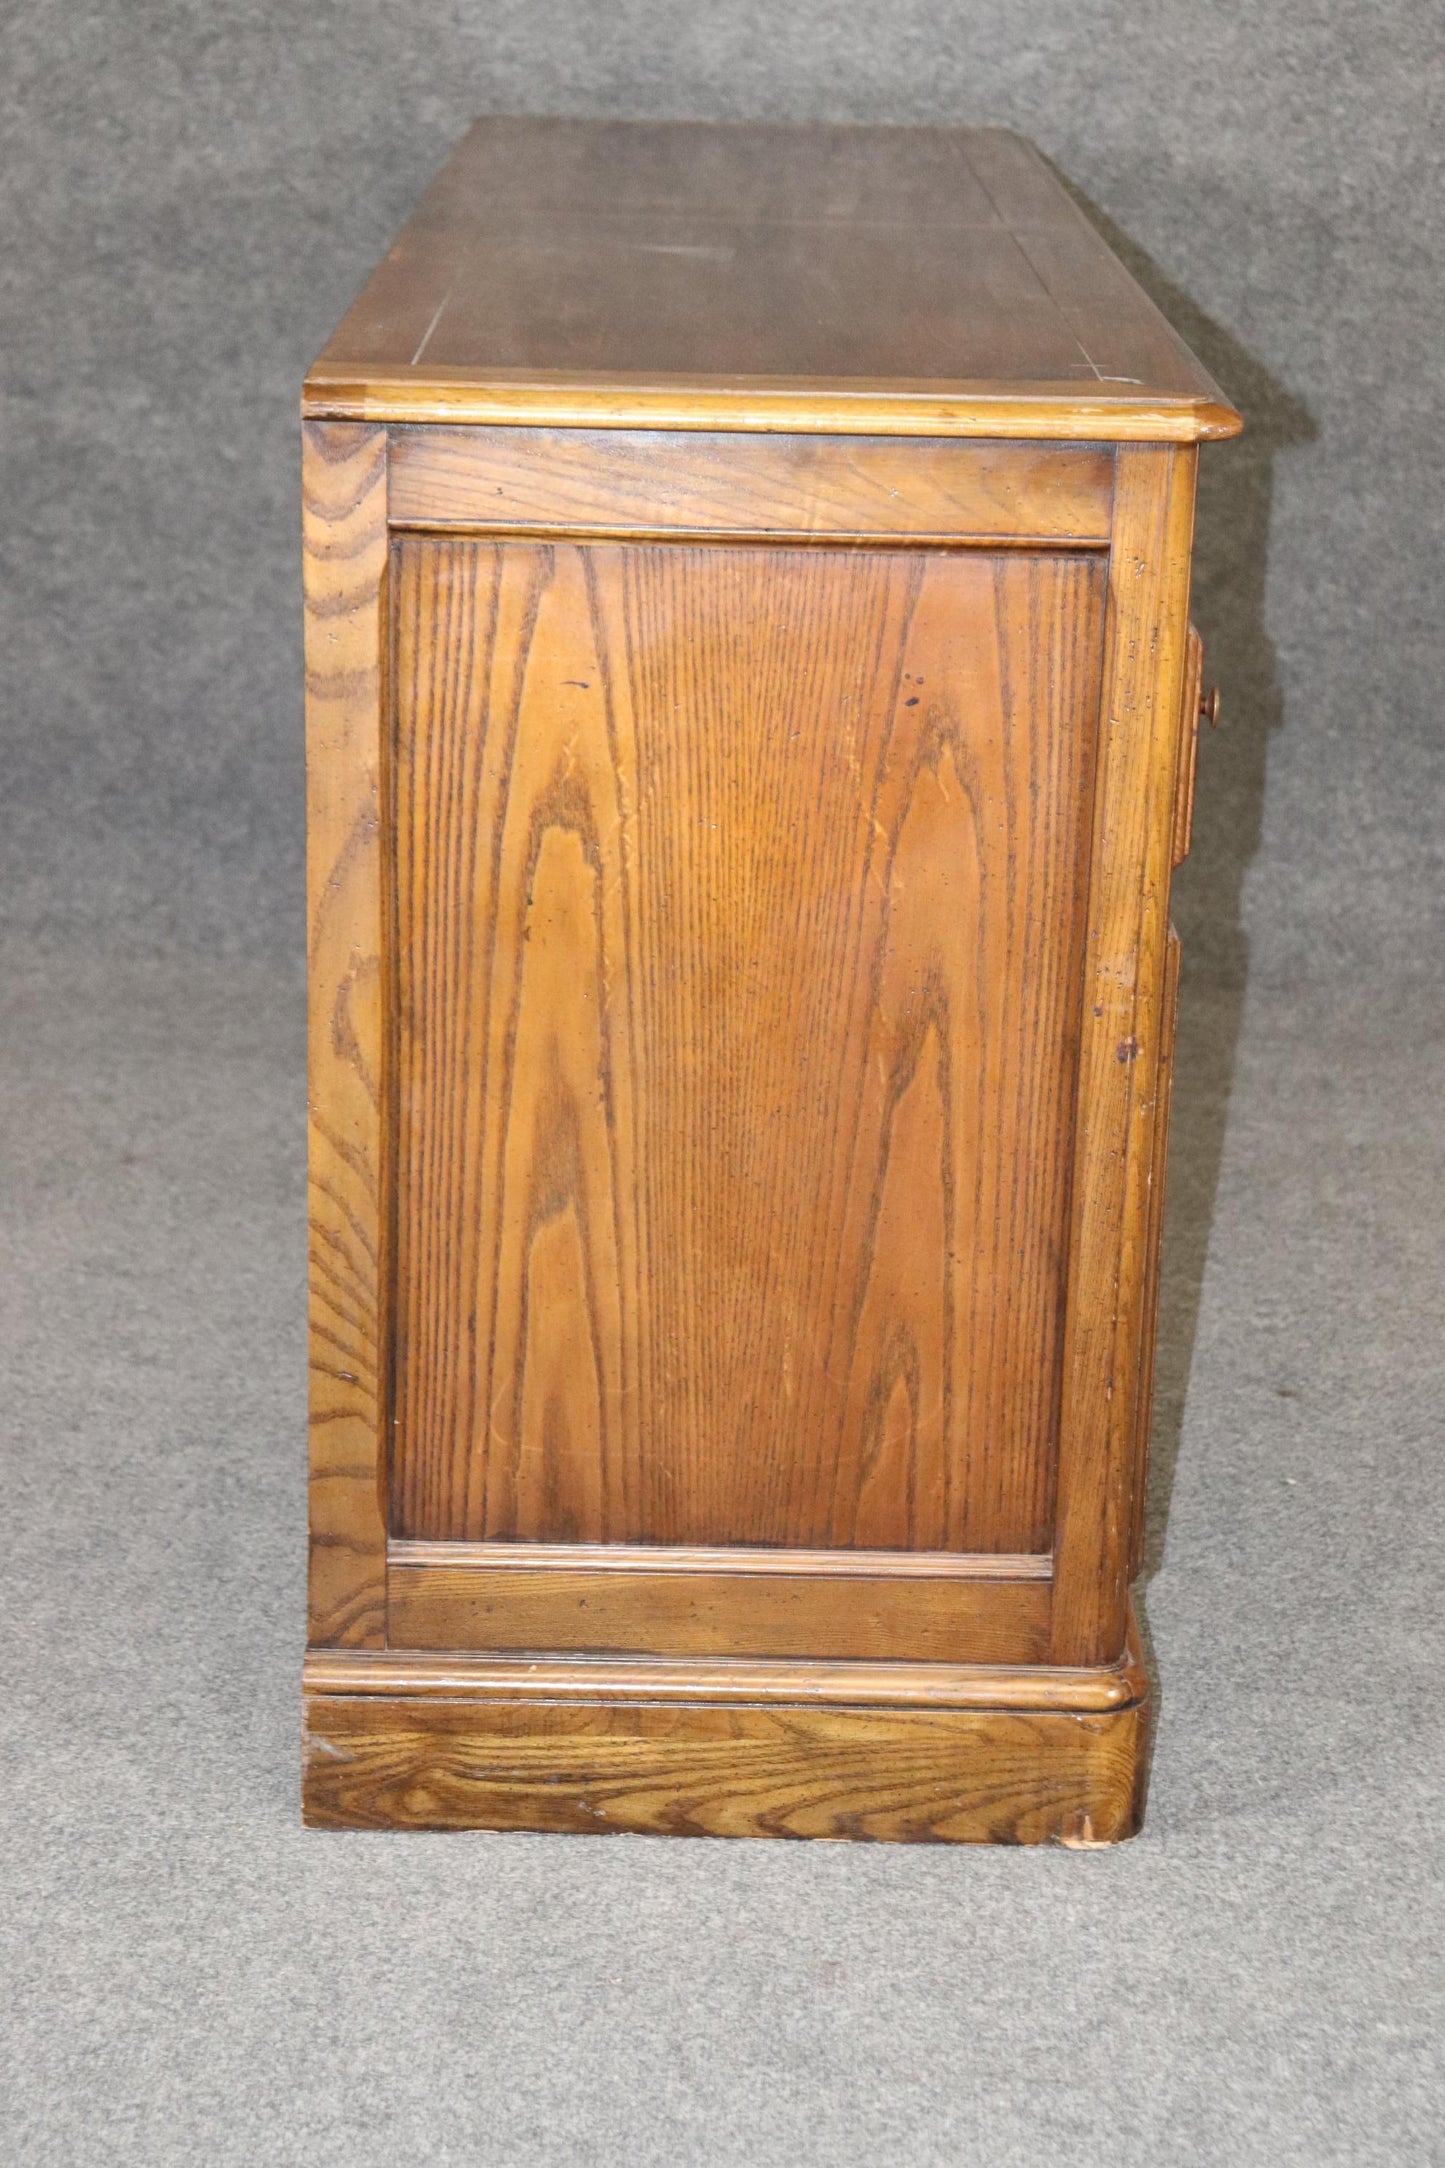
(193, 1978)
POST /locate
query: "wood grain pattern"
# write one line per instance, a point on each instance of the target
(739, 909)
(344, 512)
(741, 1017)
(936, 1776)
(714, 1612)
(1153, 1247)
(1188, 746)
(645, 482)
(1119, 1066)
(805, 279)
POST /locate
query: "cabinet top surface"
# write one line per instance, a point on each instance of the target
(926, 281)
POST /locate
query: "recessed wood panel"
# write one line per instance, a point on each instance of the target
(736, 965)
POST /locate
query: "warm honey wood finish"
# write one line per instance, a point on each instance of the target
(744, 1562)
(884, 281)
(449, 1675)
(1153, 1240)
(964, 1777)
(1122, 1035)
(345, 558)
(921, 1754)
(690, 1606)
(820, 489)
(750, 732)
(1189, 746)
(733, 1073)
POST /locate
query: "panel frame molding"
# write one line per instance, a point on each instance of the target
(453, 1675)
(746, 1560)
(348, 536)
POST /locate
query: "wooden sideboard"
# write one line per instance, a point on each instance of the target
(750, 718)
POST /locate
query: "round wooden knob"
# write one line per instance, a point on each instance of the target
(1209, 707)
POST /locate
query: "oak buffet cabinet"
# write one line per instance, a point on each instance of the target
(750, 709)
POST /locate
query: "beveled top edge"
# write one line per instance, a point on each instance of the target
(560, 399)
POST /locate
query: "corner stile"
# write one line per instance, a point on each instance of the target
(1121, 1023)
(345, 547)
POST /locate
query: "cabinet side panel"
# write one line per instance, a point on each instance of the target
(344, 515)
(1119, 1059)
(740, 910)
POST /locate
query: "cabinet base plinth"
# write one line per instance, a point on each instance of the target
(922, 1754)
